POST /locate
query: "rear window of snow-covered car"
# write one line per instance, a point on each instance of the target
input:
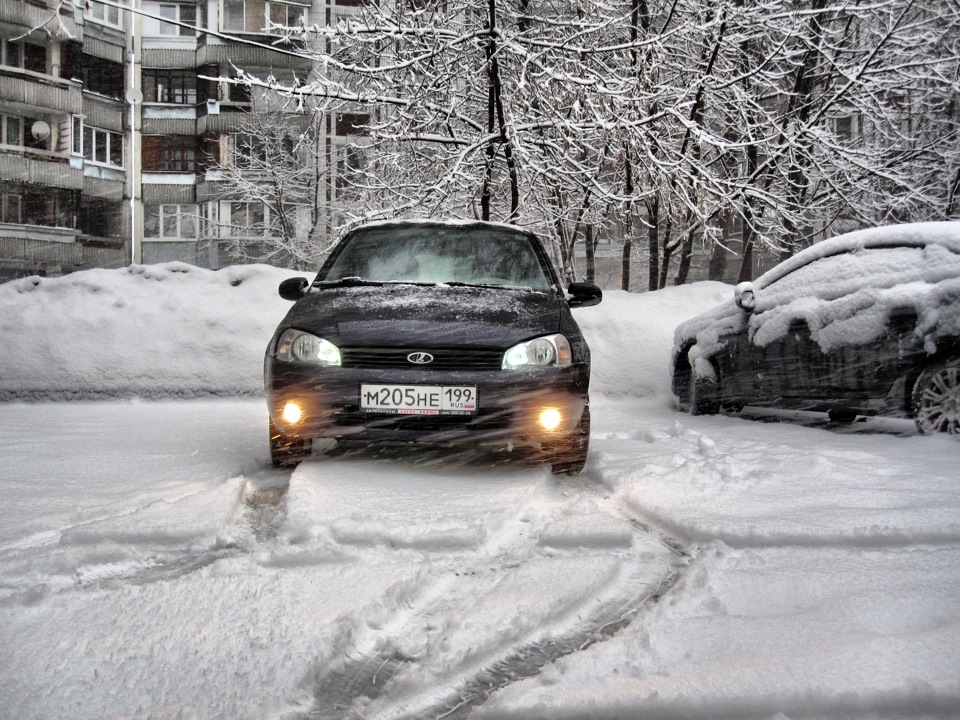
(847, 298)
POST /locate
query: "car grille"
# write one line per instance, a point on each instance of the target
(483, 421)
(443, 358)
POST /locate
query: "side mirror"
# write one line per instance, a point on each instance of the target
(294, 288)
(745, 296)
(584, 295)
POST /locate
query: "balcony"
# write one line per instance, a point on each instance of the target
(105, 187)
(225, 122)
(40, 168)
(168, 193)
(42, 92)
(169, 124)
(39, 15)
(167, 57)
(250, 56)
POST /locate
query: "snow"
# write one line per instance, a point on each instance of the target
(102, 332)
(153, 565)
(845, 289)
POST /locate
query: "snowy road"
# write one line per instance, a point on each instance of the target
(353, 574)
(153, 565)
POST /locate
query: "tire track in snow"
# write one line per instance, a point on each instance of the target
(106, 550)
(606, 581)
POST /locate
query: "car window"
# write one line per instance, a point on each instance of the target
(440, 255)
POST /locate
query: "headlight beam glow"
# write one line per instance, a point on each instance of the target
(550, 419)
(292, 413)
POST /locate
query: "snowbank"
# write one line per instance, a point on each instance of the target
(150, 331)
(175, 330)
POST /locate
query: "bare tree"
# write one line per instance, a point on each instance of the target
(276, 171)
(694, 122)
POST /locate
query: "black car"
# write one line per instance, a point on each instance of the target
(865, 323)
(440, 332)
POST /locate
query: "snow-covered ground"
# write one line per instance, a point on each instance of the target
(153, 565)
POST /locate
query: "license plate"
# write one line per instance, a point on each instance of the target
(419, 399)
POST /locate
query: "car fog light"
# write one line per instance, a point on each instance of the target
(292, 413)
(550, 419)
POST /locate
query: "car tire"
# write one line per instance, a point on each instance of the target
(287, 451)
(704, 396)
(570, 458)
(936, 399)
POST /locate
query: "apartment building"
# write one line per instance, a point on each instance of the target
(116, 117)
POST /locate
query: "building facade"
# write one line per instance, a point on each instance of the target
(117, 117)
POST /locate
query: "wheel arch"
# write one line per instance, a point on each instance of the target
(682, 373)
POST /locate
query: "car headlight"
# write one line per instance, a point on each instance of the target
(541, 352)
(298, 346)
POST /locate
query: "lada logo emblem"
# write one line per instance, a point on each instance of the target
(420, 358)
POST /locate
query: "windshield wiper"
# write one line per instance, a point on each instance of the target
(495, 286)
(347, 282)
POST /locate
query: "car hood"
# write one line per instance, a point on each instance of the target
(431, 316)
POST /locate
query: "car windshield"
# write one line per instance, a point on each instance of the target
(450, 255)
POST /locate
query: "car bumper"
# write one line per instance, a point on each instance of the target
(509, 407)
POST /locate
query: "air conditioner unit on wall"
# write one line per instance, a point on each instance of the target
(213, 107)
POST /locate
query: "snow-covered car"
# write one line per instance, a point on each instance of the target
(441, 332)
(865, 323)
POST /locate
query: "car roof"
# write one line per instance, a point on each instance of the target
(434, 223)
(945, 234)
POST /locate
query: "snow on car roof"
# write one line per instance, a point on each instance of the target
(945, 233)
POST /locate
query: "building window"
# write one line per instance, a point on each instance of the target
(352, 124)
(172, 14)
(351, 163)
(35, 58)
(104, 14)
(844, 127)
(238, 92)
(12, 54)
(247, 219)
(101, 218)
(257, 16)
(287, 15)
(249, 151)
(173, 87)
(102, 76)
(11, 205)
(24, 55)
(12, 127)
(169, 153)
(102, 147)
(170, 222)
(16, 131)
(48, 206)
(77, 130)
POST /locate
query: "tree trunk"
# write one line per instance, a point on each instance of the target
(625, 261)
(653, 241)
(718, 256)
(590, 248)
(686, 256)
(667, 253)
(749, 233)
